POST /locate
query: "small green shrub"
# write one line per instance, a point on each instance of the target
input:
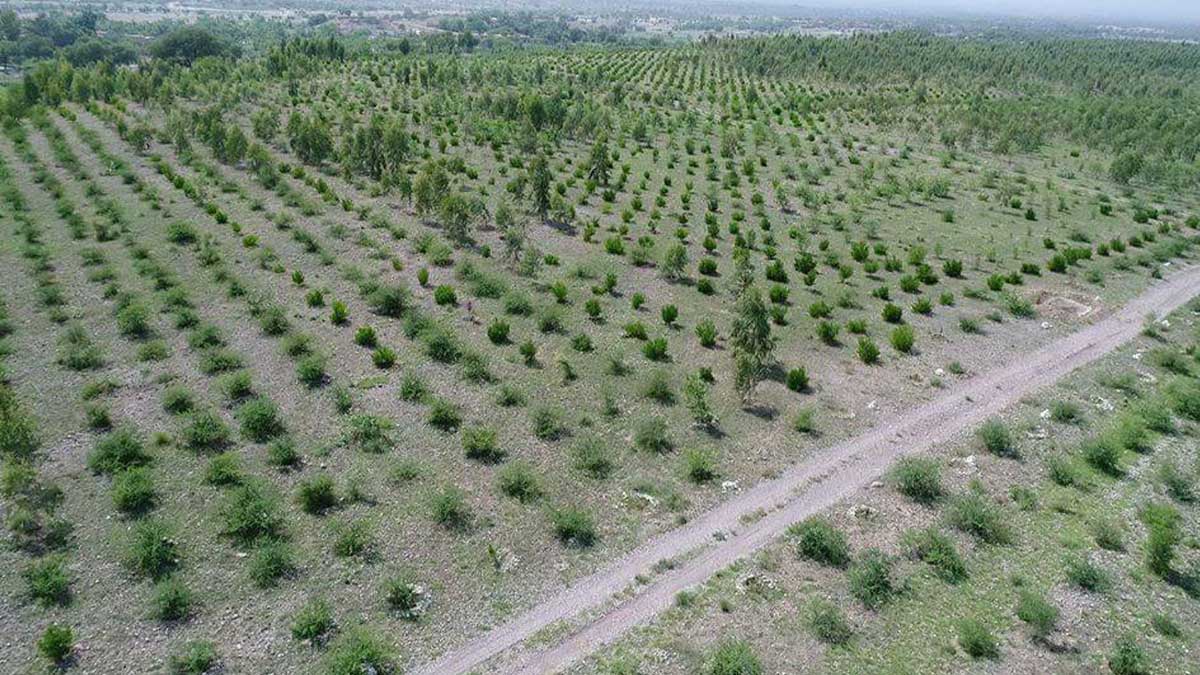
(519, 481)
(133, 491)
(1087, 575)
(828, 624)
(870, 578)
(253, 511)
(938, 551)
(479, 443)
(314, 622)
(997, 439)
(48, 582)
(1127, 658)
(259, 420)
(171, 601)
(651, 435)
(733, 657)
(451, 511)
(205, 431)
(573, 526)
(444, 415)
(977, 641)
(919, 479)
(1036, 611)
(975, 515)
(152, 551)
(356, 652)
(197, 657)
(818, 540)
(56, 643)
(317, 495)
(592, 456)
(271, 561)
(117, 451)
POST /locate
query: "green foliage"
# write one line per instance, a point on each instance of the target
(974, 514)
(196, 658)
(977, 641)
(818, 540)
(56, 643)
(314, 622)
(253, 511)
(733, 657)
(573, 526)
(997, 439)
(870, 578)
(1036, 611)
(828, 624)
(117, 451)
(358, 651)
(937, 550)
(919, 479)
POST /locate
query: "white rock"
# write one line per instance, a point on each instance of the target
(1045, 325)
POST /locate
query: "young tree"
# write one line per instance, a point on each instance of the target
(753, 346)
(539, 184)
(695, 396)
(431, 185)
(601, 162)
(674, 263)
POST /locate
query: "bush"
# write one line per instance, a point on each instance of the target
(172, 600)
(56, 642)
(152, 551)
(383, 357)
(651, 436)
(734, 657)
(997, 439)
(498, 331)
(351, 538)
(402, 596)
(828, 624)
(803, 422)
(592, 456)
(444, 415)
(178, 400)
(656, 349)
(699, 466)
(48, 582)
(479, 443)
(797, 379)
(282, 454)
(1086, 574)
(1127, 658)
(573, 526)
(390, 301)
(548, 424)
(658, 387)
(871, 578)
(902, 339)
(196, 658)
(938, 551)
(1103, 455)
(519, 481)
(253, 511)
(973, 514)
(818, 540)
(259, 419)
(445, 295)
(316, 495)
(117, 451)
(1038, 613)
(133, 491)
(919, 479)
(976, 640)
(314, 622)
(706, 331)
(868, 353)
(892, 313)
(272, 561)
(357, 652)
(311, 371)
(205, 432)
(450, 509)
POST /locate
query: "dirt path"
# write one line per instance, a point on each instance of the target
(801, 491)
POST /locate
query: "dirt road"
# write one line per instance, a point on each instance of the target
(801, 491)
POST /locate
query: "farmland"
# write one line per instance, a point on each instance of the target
(347, 352)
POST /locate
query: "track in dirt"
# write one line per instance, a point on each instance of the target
(801, 491)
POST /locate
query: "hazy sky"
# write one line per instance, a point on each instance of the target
(1151, 10)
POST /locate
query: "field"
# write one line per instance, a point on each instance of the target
(338, 355)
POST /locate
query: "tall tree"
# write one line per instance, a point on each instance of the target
(539, 183)
(753, 345)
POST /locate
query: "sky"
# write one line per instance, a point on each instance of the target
(1149, 10)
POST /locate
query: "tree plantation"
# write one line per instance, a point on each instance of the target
(341, 352)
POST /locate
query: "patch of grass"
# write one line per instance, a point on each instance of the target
(171, 601)
(356, 652)
(733, 657)
(451, 511)
(56, 643)
(117, 451)
(152, 550)
(260, 420)
(1087, 575)
(316, 495)
(592, 456)
(133, 491)
(479, 443)
(1127, 658)
(47, 581)
(270, 562)
(253, 511)
(519, 481)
